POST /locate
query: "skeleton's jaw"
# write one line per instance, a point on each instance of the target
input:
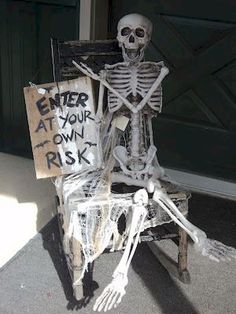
(132, 55)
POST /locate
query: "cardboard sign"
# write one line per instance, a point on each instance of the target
(64, 135)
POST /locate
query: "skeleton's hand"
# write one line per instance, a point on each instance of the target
(112, 294)
(215, 250)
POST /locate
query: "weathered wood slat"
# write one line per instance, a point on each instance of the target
(79, 48)
(95, 54)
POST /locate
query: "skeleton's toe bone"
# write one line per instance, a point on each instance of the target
(215, 250)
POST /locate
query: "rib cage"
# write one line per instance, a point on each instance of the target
(134, 80)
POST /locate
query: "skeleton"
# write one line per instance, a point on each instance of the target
(134, 91)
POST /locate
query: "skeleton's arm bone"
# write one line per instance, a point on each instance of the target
(99, 113)
(163, 73)
(84, 69)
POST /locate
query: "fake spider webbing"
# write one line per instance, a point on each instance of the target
(91, 210)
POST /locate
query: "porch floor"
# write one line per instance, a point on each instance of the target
(36, 280)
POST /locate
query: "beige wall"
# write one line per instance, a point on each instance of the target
(26, 204)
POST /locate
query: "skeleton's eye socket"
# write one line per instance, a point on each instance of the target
(125, 31)
(140, 32)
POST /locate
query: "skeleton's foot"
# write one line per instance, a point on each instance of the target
(215, 250)
(112, 294)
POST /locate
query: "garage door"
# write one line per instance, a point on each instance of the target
(197, 41)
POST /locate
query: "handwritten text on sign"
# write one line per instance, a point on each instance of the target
(64, 135)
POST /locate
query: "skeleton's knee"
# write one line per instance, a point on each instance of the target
(141, 197)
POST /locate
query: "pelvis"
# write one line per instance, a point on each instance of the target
(135, 167)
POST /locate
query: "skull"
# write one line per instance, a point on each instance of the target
(134, 33)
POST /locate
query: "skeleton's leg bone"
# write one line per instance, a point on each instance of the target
(166, 203)
(139, 212)
(114, 301)
(163, 200)
(113, 293)
(213, 249)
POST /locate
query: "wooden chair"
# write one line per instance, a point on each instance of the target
(96, 54)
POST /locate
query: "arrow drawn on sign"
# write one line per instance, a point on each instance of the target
(90, 144)
(41, 144)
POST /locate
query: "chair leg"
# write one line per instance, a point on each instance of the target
(182, 256)
(77, 269)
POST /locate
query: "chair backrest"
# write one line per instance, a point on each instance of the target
(94, 53)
